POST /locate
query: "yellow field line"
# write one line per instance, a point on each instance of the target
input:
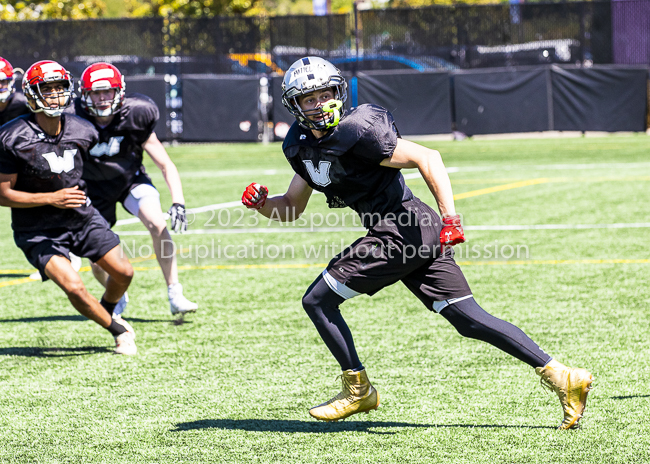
(500, 188)
(322, 265)
(16, 282)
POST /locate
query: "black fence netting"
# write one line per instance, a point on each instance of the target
(220, 45)
(130, 44)
(476, 36)
(293, 37)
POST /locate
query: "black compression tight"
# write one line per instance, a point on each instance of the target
(472, 321)
(322, 306)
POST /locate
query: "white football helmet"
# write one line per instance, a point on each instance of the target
(308, 75)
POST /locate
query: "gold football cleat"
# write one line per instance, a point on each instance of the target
(572, 386)
(358, 395)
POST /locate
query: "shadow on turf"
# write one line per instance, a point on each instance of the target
(628, 397)
(53, 352)
(15, 276)
(295, 426)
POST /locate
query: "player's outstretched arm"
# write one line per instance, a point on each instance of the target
(161, 159)
(283, 208)
(429, 163)
(64, 198)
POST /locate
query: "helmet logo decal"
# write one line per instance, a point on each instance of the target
(51, 70)
(101, 74)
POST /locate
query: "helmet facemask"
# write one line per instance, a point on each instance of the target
(308, 75)
(92, 107)
(323, 117)
(36, 97)
(6, 88)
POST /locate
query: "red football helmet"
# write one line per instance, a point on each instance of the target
(101, 76)
(41, 73)
(7, 80)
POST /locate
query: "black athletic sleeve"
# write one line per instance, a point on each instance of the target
(147, 116)
(378, 139)
(7, 160)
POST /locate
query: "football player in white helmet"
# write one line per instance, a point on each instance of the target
(354, 158)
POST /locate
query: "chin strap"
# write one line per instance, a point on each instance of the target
(334, 107)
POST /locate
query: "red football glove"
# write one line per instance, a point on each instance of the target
(255, 196)
(452, 231)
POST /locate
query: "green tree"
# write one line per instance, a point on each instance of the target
(189, 8)
(19, 10)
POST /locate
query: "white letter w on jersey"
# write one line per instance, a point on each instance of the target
(320, 176)
(110, 148)
(59, 164)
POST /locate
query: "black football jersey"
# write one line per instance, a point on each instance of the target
(113, 164)
(17, 106)
(344, 164)
(46, 163)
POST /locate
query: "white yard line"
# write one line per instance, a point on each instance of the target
(290, 230)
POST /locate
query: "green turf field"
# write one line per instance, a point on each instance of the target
(234, 382)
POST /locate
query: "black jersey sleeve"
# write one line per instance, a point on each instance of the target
(378, 137)
(142, 112)
(8, 161)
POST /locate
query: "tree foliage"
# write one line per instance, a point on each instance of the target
(189, 8)
(20, 10)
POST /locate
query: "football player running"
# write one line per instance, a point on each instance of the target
(41, 161)
(12, 104)
(115, 174)
(354, 158)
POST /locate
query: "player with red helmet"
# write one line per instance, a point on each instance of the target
(12, 104)
(115, 174)
(41, 164)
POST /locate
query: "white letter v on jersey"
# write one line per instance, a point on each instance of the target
(320, 176)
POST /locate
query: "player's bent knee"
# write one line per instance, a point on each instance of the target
(75, 290)
(156, 228)
(125, 274)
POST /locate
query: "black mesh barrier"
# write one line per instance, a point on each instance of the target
(473, 36)
(130, 44)
(220, 108)
(154, 88)
(502, 100)
(221, 45)
(420, 102)
(281, 116)
(293, 37)
(599, 99)
(631, 26)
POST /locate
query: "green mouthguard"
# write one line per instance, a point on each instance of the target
(333, 106)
